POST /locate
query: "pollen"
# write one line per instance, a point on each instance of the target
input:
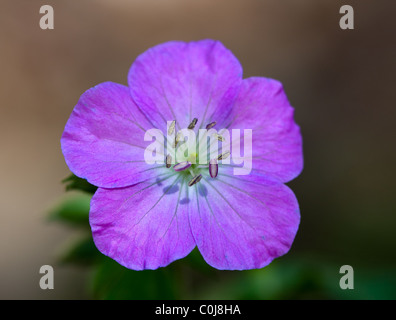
(193, 123)
(211, 125)
(219, 137)
(224, 155)
(195, 180)
(213, 168)
(168, 161)
(171, 127)
(178, 138)
(182, 166)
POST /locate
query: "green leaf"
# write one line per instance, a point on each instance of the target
(282, 279)
(75, 183)
(73, 209)
(82, 252)
(370, 283)
(197, 262)
(115, 282)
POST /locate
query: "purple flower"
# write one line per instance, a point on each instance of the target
(147, 216)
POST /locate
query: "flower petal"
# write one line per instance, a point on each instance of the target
(181, 81)
(277, 143)
(103, 140)
(144, 226)
(243, 222)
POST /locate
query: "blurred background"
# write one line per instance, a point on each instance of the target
(341, 83)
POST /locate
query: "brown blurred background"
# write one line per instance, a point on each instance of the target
(341, 83)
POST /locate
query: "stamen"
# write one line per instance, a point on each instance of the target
(177, 139)
(211, 125)
(168, 161)
(219, 137)
(213, 168)
(223, 155)
(182, 166)
(171, 127)
(193, 123)
(195, 180)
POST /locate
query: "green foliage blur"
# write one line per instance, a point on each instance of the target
(293, 276)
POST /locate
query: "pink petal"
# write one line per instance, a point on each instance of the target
(103, 140)
(277, 143)
(243, 222)
(144, 226)
(181, 81)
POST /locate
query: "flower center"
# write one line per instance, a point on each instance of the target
(188, 163)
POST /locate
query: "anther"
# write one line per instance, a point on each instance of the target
(195, 180)
(168, 161)
(223, 155)
(211, 125)
(178, 139)
(193, 123)
(213, 168)
(171, 127)
(182, 166)
(219, 137)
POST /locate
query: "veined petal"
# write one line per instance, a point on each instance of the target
(103, 140)
(243, 222)
(181, 81)
(262, 106)
(144, 226)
